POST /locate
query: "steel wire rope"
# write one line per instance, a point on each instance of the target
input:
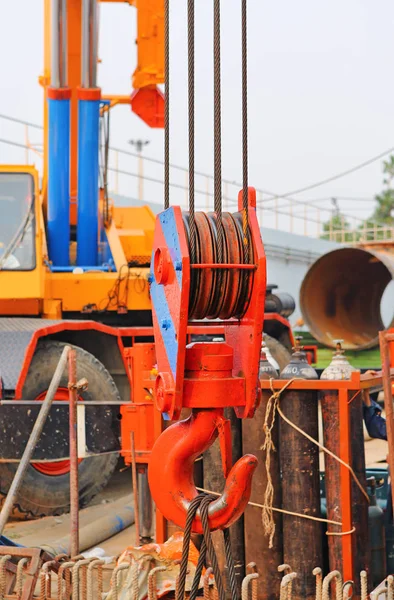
(198, 572)
(191, 58)
(260, 202)
(267, 208)
(273, 196)
(245, 217)
(202, 502)
(230, 564)
(193, 507)
(180, 186)
(217, 129)
(167, 104)
(204, 506)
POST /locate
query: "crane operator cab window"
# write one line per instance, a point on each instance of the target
(17, 222)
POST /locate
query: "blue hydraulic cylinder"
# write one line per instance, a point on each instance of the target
(88, 174)
(59, 176)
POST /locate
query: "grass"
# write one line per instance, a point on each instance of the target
(367, 359)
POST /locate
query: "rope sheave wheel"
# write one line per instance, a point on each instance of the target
(219, 293)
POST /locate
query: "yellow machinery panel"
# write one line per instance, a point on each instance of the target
(150, 42)
(135, 227)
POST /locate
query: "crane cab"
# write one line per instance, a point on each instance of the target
(21, 242)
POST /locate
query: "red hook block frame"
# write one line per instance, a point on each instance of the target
(206, 377)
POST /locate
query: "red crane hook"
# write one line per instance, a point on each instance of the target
(171, 468)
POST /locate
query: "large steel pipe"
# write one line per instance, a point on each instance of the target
(341, 295)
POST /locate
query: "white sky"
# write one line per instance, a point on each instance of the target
(320, 92)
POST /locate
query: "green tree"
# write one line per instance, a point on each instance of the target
(383, 213)
(336, 224)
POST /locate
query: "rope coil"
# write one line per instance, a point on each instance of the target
(218, 293)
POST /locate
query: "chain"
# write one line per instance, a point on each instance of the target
(167, 104)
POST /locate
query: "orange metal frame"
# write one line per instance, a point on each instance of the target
(386, 341)
(141, 416)
(311, 353)
(357, 383)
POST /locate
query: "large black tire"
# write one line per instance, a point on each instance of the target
(278, 351)
(41, 494)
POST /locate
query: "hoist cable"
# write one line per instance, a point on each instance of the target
(230, 565)
(191, 513)
(167, 104)
(217, 129)
(245, 222)
(204, 506)
(198, 572)
(202, 502)
(190, 43)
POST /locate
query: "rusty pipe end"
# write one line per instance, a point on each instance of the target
(341, 295)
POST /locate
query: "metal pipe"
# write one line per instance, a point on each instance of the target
(341, 295)
(59, 140)
(85, 44)
(73, 442)
(144, 503)
(63, 44)
(89, 43)
(94, 32)
(299, 464)
(88, 140)
(88, 190)
(116, 517)
(135, 488)
(33, 440)
(267, 553)
(55, 44)
(59, 43)
(59, 179)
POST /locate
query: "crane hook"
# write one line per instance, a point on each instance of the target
(171, 468)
